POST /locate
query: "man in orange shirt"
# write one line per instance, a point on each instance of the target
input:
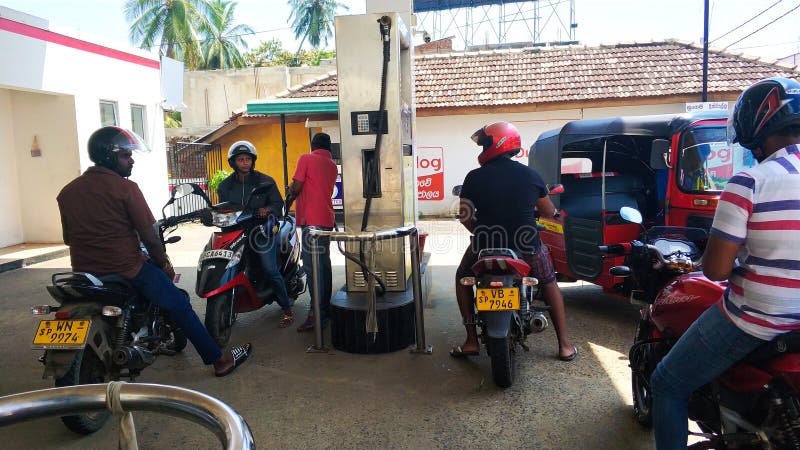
(312, 188)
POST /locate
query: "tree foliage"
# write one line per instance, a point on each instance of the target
(313, 20)
(201, 33)
(169, 25)
(271, 53)
(221, 38)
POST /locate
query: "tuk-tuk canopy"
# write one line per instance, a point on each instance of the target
(546, 153)
(657, 126)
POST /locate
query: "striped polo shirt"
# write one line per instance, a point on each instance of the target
(760, 209)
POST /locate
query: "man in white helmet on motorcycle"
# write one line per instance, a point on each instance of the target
(236, 188)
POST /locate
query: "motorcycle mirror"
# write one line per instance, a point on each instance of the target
(631, 214)
(555, 189)
(620, 271)
(172, 239)
(457, 190)
(182, 190)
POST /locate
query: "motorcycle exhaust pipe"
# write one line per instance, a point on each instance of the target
(133, 357)
(538, 322)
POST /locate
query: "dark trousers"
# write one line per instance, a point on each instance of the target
(323, 248)
(153, 283)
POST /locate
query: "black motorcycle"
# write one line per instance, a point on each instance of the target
(103, 329)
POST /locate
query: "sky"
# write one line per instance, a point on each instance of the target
(599, 21)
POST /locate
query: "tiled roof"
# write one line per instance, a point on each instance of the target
(569, 74)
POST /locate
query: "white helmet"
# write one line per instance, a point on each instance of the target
(241, 148)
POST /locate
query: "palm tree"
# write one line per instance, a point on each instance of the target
(170, 25)
(313, 20)
(221, 39)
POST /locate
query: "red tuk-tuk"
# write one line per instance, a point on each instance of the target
(672, 168)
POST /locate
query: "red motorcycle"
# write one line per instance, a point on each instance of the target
(755, 403)
(229, 272)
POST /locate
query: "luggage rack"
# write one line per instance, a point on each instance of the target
(230, 428)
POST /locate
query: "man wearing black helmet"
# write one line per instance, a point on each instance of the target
(104, 217)
(236, 188)
(756, 223)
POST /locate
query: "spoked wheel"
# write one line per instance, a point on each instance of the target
(220, 318)
(503, 357)
(641, 368)
(86, 368)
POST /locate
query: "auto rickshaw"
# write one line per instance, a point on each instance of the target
(671, 168)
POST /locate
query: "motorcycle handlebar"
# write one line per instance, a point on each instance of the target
(176, 220)
(613, 249)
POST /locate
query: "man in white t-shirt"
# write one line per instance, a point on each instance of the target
(757, 222)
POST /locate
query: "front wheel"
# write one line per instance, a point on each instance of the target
(642, 365)
(86, 368)
(503, 358)
(220, 318)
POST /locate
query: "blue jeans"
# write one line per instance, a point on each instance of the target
(154, 285)
(267, 250)
(323, 248)
(710, 346)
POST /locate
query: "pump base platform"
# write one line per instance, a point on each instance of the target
(395, 316)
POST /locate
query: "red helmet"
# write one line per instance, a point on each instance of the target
(499, 138)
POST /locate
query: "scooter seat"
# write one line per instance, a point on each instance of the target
(501, 265)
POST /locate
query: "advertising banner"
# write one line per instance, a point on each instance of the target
(430, 174)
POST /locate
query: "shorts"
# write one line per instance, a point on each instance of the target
(540, 262)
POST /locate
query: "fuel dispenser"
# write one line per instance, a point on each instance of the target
(376, 117)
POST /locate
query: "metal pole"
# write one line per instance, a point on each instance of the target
(283, 146)
(416, 286)
(705, 51)
(229, 427)
(319, 344)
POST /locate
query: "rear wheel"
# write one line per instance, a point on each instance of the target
(86, 368)
(503, 358)
(641, 368)
(220, 318)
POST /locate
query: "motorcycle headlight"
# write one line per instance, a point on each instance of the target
(226, 219)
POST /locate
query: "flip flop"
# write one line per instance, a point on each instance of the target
(457, 352)
(286, 320)
(571, 356)
(240, 354)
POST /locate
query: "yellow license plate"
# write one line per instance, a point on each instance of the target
(65, 334)
(500, 299)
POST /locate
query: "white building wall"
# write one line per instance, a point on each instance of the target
(49, 120)
(59, 61)
(10, 219)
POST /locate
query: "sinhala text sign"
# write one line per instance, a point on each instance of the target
(430, 173)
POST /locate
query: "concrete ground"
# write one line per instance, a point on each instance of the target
(294, 399)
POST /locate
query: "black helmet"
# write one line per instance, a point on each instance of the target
(105, 143)
(764, 108)
(241, 148)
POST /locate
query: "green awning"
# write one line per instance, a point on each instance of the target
(311, 105)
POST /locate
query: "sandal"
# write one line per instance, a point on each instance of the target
(240, 354)
(458, 352)
(571, 356)
(286, 320)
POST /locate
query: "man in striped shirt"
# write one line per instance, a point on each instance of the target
(757, 223)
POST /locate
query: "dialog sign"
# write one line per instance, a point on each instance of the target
(430, 174)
